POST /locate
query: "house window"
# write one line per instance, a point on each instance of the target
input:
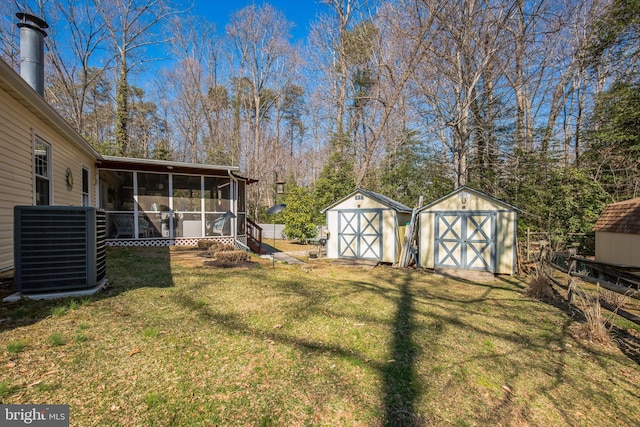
(85, 187)
(42, 172)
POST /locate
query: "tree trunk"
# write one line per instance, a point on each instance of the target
(122, 110)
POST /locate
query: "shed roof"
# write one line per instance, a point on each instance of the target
(475, 192)
(621, 217)
(375, 196)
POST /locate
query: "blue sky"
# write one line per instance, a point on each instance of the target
(301, 12)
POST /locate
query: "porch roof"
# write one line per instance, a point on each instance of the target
(151, 165)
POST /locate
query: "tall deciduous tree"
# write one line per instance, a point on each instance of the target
(472, 33)
(369, 64)
(77, 65)
(132, 26)
(260, 38)
(200, 101)
(9, 35)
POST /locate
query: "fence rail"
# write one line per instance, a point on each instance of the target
(537, 244)
(585, 269)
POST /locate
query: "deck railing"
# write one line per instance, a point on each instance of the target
(254, 237)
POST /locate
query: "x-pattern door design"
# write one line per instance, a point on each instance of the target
(465, 240)
(360, 234)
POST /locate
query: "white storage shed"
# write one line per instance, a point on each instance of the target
(366, 225)
(468, 229)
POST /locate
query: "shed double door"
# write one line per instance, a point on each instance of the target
(465, 240)
(360, 234)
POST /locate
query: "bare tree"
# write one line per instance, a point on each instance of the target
(130, 25)
(260, 40)
(462, 53)
(368, 64)
(344, 10)
(73, 45)
(9, 33)
(183, 84)
(544, 65)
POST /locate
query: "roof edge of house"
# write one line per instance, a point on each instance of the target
(22, 92)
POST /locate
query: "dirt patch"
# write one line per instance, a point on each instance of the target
(195, 257)
(227, 264)
(473, 275)
(365, 263)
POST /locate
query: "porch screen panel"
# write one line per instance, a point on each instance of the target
(242, 209)
(153, 204)
(217, 201)
(216, 194)
(116, 198)
(187, 205)
(153, 192)
(241, 196)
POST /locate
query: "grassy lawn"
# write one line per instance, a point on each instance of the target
(175, 343)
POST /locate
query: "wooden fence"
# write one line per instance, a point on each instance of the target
(582, 243)
(615, 278)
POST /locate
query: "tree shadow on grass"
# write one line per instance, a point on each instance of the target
(401, 387)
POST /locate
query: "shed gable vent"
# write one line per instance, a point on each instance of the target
(58, 248)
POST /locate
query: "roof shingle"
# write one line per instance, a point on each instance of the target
(622, 217)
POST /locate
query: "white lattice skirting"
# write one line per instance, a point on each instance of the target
(178, 242)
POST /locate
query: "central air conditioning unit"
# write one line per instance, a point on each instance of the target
(59, 248)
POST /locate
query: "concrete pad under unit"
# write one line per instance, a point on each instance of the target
(55, 295)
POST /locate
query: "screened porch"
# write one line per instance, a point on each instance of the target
(180, 202)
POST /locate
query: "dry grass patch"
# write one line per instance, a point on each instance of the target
(232, 256)
(539, 286)
(173, 343)
(615, 299)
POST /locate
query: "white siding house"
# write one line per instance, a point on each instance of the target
(42, 159)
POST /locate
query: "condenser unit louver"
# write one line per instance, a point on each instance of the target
(58, 248)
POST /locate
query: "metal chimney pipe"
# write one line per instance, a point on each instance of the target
(32, 34)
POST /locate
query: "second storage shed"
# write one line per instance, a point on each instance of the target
(470, 230)
(618, 234)
(365, 225)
